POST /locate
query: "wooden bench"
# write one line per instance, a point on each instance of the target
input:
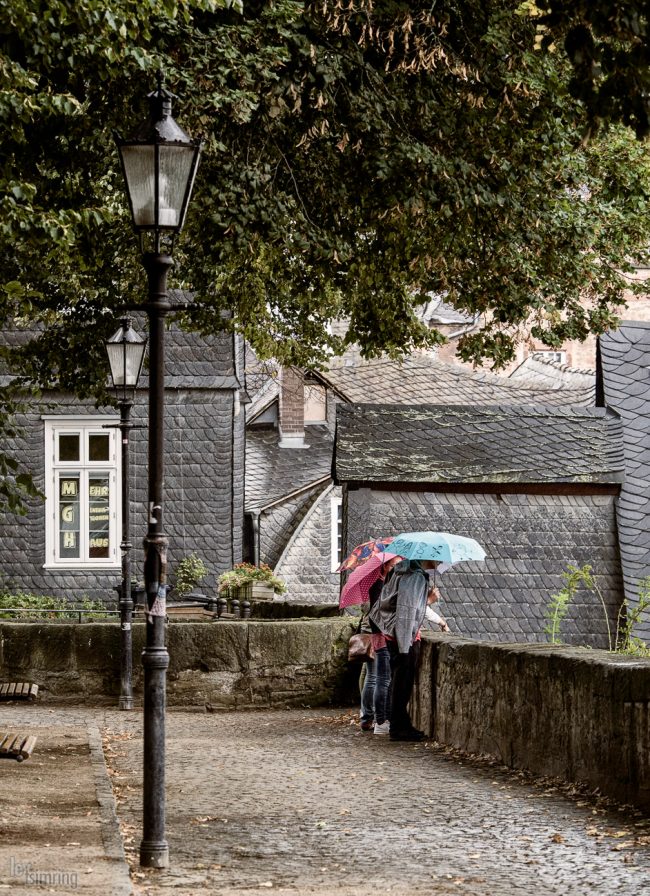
(16, 746)
(21, 690)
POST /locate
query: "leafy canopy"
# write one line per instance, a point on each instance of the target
(359, 155)
(607, 42)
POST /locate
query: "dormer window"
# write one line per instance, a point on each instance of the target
(557, 357)
(315, 403)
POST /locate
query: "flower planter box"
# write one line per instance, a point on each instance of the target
(240, 592)
(262, 591)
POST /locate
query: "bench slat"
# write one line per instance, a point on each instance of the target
(26, 748)
(7, 738)
(16, 746)
(21, 690)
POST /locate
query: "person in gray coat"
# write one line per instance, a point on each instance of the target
(399, 614)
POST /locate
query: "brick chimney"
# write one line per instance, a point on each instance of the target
(292, 408)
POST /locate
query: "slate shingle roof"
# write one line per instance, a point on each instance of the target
(467, 444)
(191, 360)
(625, 359)
(265, 395)
(539, 373)
(273, 473)
(421, 379)
(438, 312)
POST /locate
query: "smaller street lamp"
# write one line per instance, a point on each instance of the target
(125, 350)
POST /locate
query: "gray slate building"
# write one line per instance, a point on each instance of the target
(535, 485)
(293, 507)
(623, 385)
(69, 545)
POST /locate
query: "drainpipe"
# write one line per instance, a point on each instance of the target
(255, 519)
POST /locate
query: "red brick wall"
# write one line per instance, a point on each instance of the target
(292, 402)
(580, 355)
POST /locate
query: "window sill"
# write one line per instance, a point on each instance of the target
(83, 567)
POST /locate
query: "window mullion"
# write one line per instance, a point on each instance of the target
(84, 514)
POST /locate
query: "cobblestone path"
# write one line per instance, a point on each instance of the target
(301, 802)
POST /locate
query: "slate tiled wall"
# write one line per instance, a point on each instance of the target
(305, 566)
(278, 524)
(529, 540)
(625, 354)
(203, 504)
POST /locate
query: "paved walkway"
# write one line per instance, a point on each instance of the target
(298, 802)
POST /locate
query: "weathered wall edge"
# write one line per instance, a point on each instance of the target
(582, 715)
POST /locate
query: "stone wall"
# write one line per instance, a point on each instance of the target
(230, 665)
(582, 715)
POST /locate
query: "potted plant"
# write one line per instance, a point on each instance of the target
(247, 580)
(190, 572)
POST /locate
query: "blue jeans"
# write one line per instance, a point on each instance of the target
(368, 692)
(382, 685)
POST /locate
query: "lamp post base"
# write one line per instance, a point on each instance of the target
(125, 703)
(154, 855)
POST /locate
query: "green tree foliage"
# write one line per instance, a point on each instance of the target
(359, 154)
(608, 43)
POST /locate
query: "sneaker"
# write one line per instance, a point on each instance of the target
(367, 725)
(384, 728)
(411, 734)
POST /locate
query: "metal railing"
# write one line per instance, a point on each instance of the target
(70, 613)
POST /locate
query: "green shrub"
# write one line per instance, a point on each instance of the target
(38, 606)
(628, 617)
(190, 572)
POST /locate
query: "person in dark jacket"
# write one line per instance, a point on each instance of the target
(399, 614)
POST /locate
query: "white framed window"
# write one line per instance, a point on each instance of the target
(336, 539)
(558, 357)
(82, 470)
(315, 403)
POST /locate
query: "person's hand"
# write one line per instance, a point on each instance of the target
(443, 626)
(433, 595)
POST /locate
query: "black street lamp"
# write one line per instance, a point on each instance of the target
(159, 163)
(125, 350)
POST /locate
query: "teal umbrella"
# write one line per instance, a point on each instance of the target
(442, 546)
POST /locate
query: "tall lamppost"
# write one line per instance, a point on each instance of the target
(159, 164)
(125, 350)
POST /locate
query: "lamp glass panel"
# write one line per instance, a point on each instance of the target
(175, 173)
(125, 360)
(140, 174)
(133, 355)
